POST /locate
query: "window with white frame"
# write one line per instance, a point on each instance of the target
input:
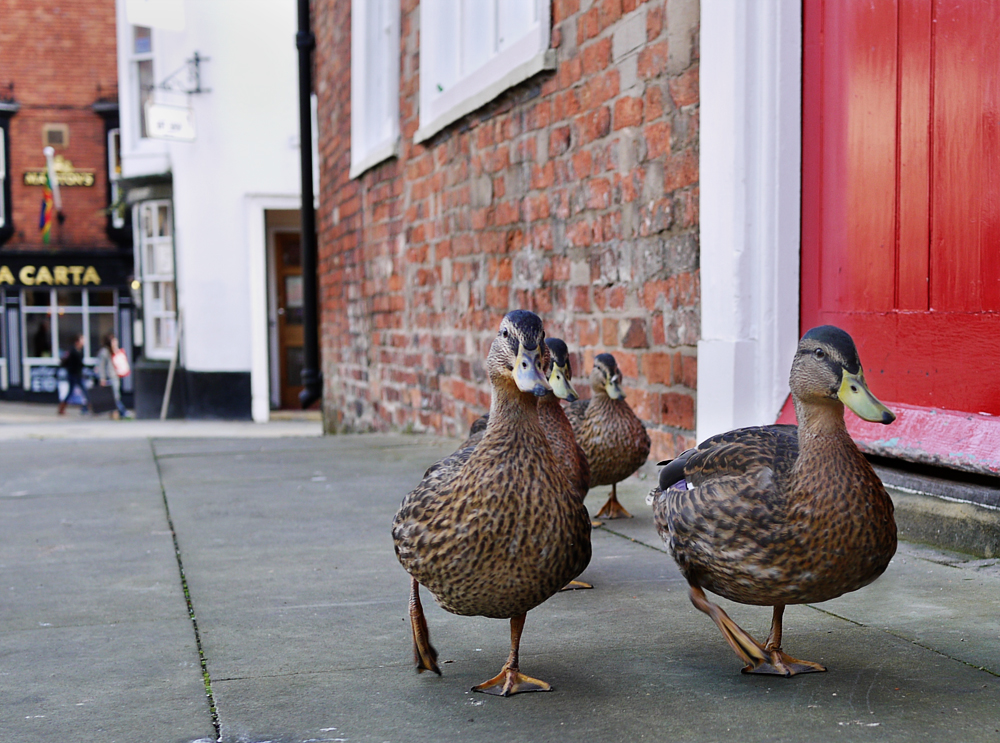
(374, 83)
(142, 69)
(154, 247)
(3, 176)
(54, 318)
(114, 176)
(473, 50)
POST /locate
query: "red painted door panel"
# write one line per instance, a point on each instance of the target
(901, 194)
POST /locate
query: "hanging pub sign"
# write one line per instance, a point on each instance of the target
(66, 174)
(68, 269)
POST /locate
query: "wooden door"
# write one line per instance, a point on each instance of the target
(288, 278)
(901, 197)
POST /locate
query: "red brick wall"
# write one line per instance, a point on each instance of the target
(574, 194)
(59, 55)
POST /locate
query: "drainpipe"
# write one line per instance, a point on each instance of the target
(312, 378)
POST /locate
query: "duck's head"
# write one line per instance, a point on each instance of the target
(827, 368)
(518, 351)
(607, 377)
(561, 375)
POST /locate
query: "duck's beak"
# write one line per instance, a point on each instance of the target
(854, 393)
(614, 389)
(528, 372)
(561, 386)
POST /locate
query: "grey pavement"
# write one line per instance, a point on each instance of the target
(177, 581)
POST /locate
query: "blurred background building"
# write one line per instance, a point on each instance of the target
(58, 90)
(210, 176)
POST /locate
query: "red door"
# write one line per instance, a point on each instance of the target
(901, 212)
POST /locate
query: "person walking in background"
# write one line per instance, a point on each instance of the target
(108, 371)
(72, 362)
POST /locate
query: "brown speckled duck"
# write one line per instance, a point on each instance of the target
(552, 417)
(778, 515)
(610, 434)
(496, 530)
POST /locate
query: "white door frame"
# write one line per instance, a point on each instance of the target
(750, 182)
(254, 207)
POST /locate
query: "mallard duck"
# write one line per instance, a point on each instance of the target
(610, 434)
(497, 530)
(778, 515)
(552, 417)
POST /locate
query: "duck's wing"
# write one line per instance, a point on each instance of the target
(742, 452)
(479, 424)
(445, 469)
(576, 412)
(730, 495)
(423, 505)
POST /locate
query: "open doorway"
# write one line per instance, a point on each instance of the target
(285, 307)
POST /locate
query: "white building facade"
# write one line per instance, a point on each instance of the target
(210, 169)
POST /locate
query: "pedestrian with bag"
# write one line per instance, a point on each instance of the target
(112, 365)
(72, 362)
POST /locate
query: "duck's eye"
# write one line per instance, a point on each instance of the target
(504, 333)
(819, 353)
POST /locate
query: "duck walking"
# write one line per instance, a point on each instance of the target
(779, 515)
(496, 530)
(610, 434)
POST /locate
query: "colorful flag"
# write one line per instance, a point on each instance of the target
(48, 210)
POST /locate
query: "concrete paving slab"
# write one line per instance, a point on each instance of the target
(94, 628)
(302, 616)
(302, 608)
(112, 683)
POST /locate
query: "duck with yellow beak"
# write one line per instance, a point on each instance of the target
(778, 515)
(496, 529)
(609, 432)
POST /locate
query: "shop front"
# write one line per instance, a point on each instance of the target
(51, 298)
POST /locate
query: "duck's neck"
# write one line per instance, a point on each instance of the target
(822, 431)
(511, 408)
(600, 399)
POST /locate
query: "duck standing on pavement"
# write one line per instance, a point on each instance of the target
(610, 434)
(778, 515)
(498, 530)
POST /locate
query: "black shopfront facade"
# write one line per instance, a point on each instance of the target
(49, 298)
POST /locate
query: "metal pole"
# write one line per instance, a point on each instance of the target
(312, 379)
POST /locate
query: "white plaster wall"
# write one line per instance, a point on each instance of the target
(750, 149)
(247, 143)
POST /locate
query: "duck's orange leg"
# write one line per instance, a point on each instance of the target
(765, 659)
(424, 654)
(510, 680)
(613, 509)
(782, 664)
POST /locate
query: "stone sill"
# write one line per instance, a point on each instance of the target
(959, 513)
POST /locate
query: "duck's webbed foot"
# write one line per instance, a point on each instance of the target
(424, 654)
(781, 664)
(511, 681)
(613, 509)
(575, 585)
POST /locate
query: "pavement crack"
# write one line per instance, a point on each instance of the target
(206, 678)
(899, 635)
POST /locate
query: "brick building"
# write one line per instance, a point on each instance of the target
(568, 184)
(58, 88)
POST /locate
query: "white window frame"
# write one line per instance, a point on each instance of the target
(114, 175)
(374, 34)
(154, 281)
(137, 58)
(54, 312)
(519, 60)
(3, 175)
